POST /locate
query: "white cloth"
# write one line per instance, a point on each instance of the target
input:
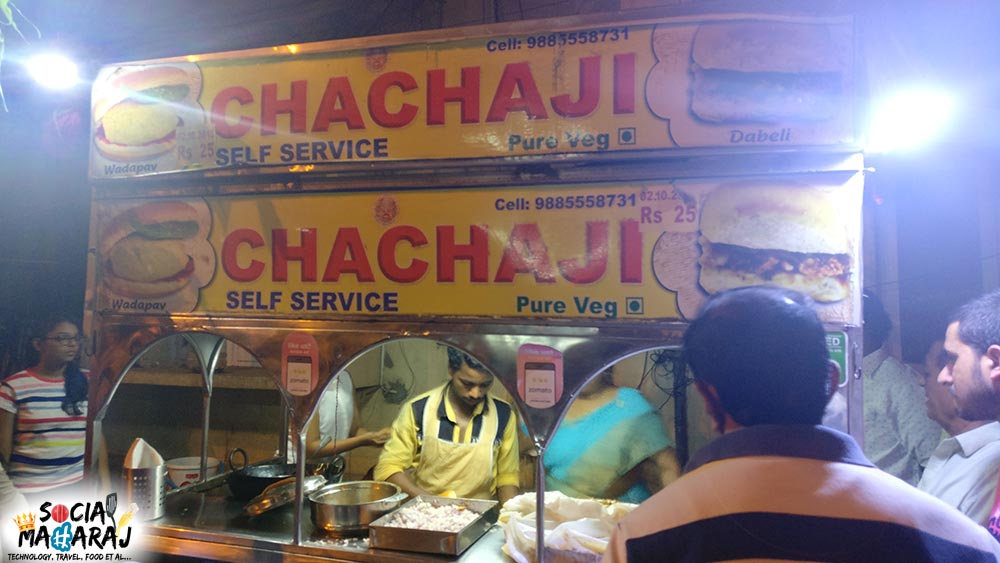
(963, 471)
(835, 415)
(899, 438)
(12, 503)
(11, 500)
(336, 411)
(336, 408)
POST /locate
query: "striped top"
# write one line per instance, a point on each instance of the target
(49, 444)
(794, 493)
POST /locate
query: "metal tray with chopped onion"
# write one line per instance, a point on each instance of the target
(439, 525)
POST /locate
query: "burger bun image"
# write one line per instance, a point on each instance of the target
(137, 110)
(765, 72)
(144, 268)
(147, 250)
(785, 234)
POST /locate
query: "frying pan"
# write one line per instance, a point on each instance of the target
(250, 480)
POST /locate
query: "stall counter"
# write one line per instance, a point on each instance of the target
(211, 526)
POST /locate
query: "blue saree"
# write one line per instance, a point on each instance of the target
(588, 454)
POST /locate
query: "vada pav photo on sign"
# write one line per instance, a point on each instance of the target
(796, 234)
(154, 256)
(137, 110)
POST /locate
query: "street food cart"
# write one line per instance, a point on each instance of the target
(549, 196)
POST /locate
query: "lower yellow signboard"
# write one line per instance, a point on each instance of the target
(629, 252)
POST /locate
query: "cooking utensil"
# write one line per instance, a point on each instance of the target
(250, 480)
(281, 493)
(351, 506)
(111, 504)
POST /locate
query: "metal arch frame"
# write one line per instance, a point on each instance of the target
(122, 338)
(587, 350)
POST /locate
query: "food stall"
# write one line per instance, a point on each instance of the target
(549, 196)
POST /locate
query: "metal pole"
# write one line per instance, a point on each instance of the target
(207, 348)
(540, 504)
(300, 476)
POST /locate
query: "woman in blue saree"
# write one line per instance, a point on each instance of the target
(611, 444)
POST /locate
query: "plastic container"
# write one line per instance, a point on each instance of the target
(186, 470)
(147, 488)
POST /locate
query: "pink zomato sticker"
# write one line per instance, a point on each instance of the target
(299, 358)
(539, 375)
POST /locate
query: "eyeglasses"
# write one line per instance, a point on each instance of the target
(66, 340)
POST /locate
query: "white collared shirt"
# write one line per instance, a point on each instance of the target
(899, 438)
(964, 469)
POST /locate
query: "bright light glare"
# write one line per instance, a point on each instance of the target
(53, 71)
(908, 120)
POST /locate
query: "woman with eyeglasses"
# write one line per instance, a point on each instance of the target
(43, 412)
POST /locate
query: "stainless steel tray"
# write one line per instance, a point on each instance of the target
(430, 541)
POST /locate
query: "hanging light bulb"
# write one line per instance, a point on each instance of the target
(909, 119)
(53, 71)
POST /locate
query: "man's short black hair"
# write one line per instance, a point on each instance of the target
(456, 357)
(979, 322)
(764, 351)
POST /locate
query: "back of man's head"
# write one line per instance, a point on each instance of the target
(764, 351)
(979, 322)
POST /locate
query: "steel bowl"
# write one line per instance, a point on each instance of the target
(351, 506)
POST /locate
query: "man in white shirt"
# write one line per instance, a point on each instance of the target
(964, 467)
(899, 438)
(971, 369)
(339, 420)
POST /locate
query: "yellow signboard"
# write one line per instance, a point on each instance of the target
(706, 81)
(598, 251)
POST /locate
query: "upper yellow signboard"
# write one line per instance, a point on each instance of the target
(708, 81)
